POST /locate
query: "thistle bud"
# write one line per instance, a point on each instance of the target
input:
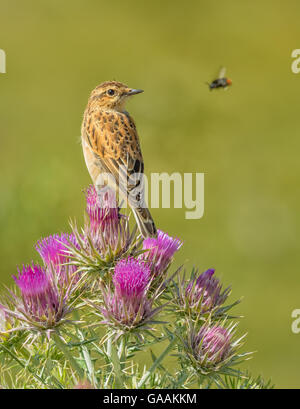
(212, 345)
(204, 293)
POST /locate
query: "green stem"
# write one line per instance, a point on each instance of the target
(115, 361)
(86, 355)
(62, 346)
(88, 361)
(121, 351)
(156, 363)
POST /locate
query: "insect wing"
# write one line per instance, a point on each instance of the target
(222, 72)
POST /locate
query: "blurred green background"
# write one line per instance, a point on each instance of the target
(246, 139)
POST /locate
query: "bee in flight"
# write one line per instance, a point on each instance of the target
(221, 81)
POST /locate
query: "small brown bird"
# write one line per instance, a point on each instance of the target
(111, 145)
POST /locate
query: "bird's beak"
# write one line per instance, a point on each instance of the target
(133, 92)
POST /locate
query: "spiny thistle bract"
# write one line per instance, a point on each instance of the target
(5, 324)
(113, 287)
(213, 347)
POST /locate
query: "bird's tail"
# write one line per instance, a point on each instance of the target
(145, 222)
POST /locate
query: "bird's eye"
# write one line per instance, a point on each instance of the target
(111, 92)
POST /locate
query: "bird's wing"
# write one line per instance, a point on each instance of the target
(113, 139)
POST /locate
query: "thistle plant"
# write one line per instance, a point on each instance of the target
(159, 252)
(105, 237)
(54, 252)
(129, 306)
(44, 300)
(5, 325)
(204, 293)
(212, 350)
(100, 296)
(201, 296)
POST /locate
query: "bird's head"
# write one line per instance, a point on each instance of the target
(112, 95)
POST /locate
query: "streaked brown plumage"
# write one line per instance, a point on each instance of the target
(111, 145)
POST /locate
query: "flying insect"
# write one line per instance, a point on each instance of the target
(221, 81)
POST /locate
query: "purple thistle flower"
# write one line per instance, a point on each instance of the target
(128, 306)
(212, 345)
(108, 230)
(43, 300)
(131, 278)
(204, 293)
(39, 295)
(102, 210)
(161, 251)
(54, 252)
(53, 249)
